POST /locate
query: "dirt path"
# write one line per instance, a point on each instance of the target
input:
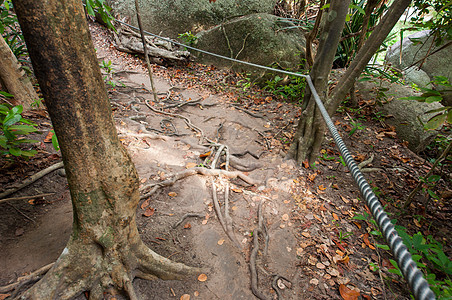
(313, 241)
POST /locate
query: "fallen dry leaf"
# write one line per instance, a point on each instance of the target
(367, 242)
(306, 164)
(187, 226)
(204, 222)
(237, 190)
(312, 176)
(306, 234)
(220, 242)
(322, 188)
(285, 217)
(149, 212)
(314, 281)
(202, 277)
(190, 165)
(335, 217)
(345, 199)
(172, 194)
(48, 139)
(4, 296)
(348, 294)
(196, 293)
(205, 154)
(320, 266)
(185, 297)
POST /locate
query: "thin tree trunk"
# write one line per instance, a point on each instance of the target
(312, 35)
(14, 79)
(363, 57)
(311, 127)
(105, 250)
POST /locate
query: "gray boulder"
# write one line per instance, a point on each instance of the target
(257, 38)
(172, 17)
(414, 48)
(404, 115)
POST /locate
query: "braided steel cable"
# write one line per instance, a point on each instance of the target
(410, 271)
(412, 274)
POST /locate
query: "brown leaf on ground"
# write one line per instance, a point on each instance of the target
(185, 297)
(202, 277)
(348, 294)
(306, 164)
(48, 138)
(172, 194)
(187, 226)
(204, 155)
(149, 212)
(367, 242)
(4, 296)
(145, 204)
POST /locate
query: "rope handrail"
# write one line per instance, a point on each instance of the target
(419, 286)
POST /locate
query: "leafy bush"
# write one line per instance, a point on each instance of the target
(10, 30)
(442, 115)
(291, 89)
(13, 128)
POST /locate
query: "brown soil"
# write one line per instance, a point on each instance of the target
(313, 241)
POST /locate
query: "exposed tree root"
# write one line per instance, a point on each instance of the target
(258, 231)
(113, 270)
(21, 281)
(226, 224)
(275, 284)
(188, 215)
(192, 171)
(32, 179)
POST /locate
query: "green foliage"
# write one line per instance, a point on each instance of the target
(440, 23)
(426, 252)
(13, 128)
(10, 30)
(348, 46)
(108, 68)
(55, 143)
(101, 8)
(442, 115)
(291, 89)
(188, 38)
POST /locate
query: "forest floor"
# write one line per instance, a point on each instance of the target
(313, 240)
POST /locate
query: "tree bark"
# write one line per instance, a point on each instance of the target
(364, 55)
(105, 250)
(311, 127)
(14, 79)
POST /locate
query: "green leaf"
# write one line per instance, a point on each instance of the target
(359, 8)
(432, 99)
(7, 95)
(325, 6)
(24, 141)
(29, 153)
(435, 122)
(11, 119)
(15, 151)
(17, 110)
(434, 178)
(24, 129)
(384, 247)
(432, 194)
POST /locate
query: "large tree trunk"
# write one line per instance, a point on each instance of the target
(14, 79)
(311, 127)
(105, 250)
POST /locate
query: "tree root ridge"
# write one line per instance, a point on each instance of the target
(76, 272)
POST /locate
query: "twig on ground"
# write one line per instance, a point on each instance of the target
(253, 256)
(26, 279)
(216, 157)
(188, 215)
(26, 197)
(366, 162)
(19, 211)
(32, 179)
